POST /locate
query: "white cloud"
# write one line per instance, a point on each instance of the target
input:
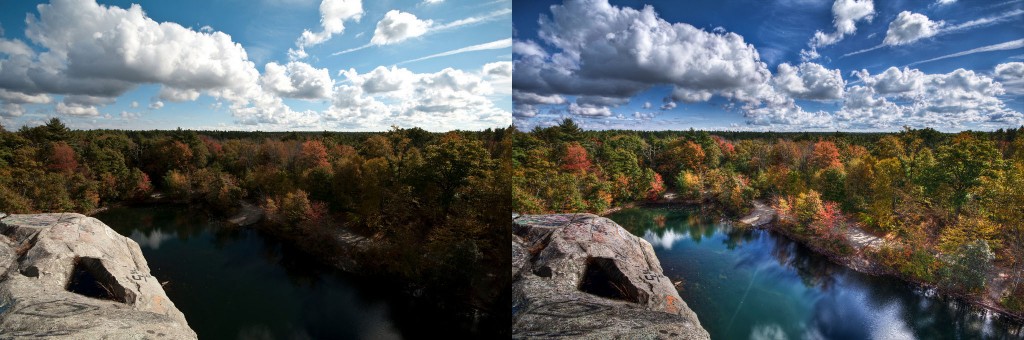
(474, 19)
(603, 50)
(845, 15)
(297, 80)
(1009, 45)
(528, 48)
(494, 45)
(944, 2)
(156, 105)
(22, 98)
(76, 109)
(589, 111)
(435, 101)
(398, 26)
(668, 106)
(333, 14)
(910, 27)
(1012, 76)
(434, 2)
(809, 81)
(135, 104)
(647, 105)
(951, 99)
(10, 110)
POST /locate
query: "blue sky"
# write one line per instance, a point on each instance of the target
(769, 65)
(248, 65)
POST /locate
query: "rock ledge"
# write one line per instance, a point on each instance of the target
(71, 276)
(584, 276)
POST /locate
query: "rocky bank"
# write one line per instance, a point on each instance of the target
(68, 276)
(584, 276)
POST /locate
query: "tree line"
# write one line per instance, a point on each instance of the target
(949, 205)
(435, 206)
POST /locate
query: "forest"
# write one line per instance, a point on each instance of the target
(434, 205)
(948, 205)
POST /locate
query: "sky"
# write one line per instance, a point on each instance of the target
(270, 65)
(778, 65)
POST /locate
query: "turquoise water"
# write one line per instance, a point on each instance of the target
(755, 284)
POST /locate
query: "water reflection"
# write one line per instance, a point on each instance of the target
(753, 284)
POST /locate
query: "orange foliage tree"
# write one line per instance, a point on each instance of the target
(575, 158)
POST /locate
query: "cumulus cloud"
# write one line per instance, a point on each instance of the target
(76, 109)
(910, 27)
(587, 110)
(397, 26)
(845, 15)
(297, 80)
(809, 81)
(333, 14)
(105, 51)
(608, 51)
(944, 2)
(399, 96)
(1011, 75)
(668, 106)
(944, 99)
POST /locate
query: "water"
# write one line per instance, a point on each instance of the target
(234, 283)
(755, 284)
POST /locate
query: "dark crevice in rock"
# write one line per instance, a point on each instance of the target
(603, 278)
(90, 278)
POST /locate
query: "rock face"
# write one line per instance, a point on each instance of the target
(69, 276)
(584, 276)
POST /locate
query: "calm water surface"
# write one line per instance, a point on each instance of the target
(236, 283)
(759, 285)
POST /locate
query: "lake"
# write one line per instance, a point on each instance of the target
(240, 283)
(756, 284)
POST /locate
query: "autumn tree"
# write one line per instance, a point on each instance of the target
(575, 158)
(825, 156)
(962, 163)
(62, 158)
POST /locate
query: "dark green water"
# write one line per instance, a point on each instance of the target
(759, 285)
(236, 283)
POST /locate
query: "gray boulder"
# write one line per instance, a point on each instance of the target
(584, 276)
(68, 276)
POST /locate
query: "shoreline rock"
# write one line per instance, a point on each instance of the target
(584, 276)
(71, 276)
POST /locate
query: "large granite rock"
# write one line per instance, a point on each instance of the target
(68, 276)
(583, 276)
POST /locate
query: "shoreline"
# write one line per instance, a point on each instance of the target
(856, 261)
(763, 217)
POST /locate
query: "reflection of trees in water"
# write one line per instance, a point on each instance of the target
(735, 237)
(815, 271)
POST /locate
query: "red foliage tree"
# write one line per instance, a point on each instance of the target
(575, 158)
(62, 158)
(313, 155)
(657, 187)
(825, 155)
(728, 149)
